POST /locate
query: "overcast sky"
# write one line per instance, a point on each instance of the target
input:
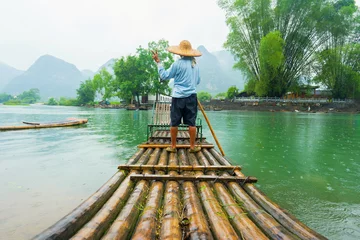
(88, 33)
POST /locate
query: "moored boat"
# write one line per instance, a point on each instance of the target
(34, 125)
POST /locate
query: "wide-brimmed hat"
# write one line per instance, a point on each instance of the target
(184, 49)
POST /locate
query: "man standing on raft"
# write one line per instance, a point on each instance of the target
(184, 101)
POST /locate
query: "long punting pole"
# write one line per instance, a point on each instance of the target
(211, 129)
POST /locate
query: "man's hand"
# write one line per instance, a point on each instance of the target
(155, 56)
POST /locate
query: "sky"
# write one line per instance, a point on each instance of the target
(88, 33)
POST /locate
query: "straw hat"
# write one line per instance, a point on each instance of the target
(184, 49)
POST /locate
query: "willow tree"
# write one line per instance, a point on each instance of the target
(298, 24)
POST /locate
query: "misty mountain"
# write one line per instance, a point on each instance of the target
(108, 66)
(52, 76)
(216, 71)
(87, 73)
(6, 74)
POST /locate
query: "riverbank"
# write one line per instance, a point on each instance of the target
(218, 105)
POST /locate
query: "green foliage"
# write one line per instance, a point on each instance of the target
(203, 96)
(14, 102)
(232, 92)
(275, 42)
(271, 59)
(4, 97)
(145, 56)
(86, 93)
(339, 70)
(103, 84)
(29, 97)
(68, 101)
(52, 101)
(130, 78)
(221, 96)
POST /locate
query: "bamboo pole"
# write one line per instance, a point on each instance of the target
(192, 178)
(146, 226)
(211, 129)
(170, 226)
(198, 227)
(220, 224)
(281, 215)
(243, 225)
(264, 220)
(95, 228)
(126, 220)
(169, 145)
(177, 168)
(71, 223)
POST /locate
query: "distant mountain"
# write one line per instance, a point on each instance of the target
(6, 74)
(52, 76)
(216, 72)
(87, 73)
(108, 66)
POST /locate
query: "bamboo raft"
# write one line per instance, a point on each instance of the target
(34, 125)
(182, 195)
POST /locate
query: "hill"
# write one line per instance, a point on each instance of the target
(52, 76)
(6, 74)
(217, 74)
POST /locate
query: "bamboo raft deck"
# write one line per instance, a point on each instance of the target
(34, 125)
(182, 195)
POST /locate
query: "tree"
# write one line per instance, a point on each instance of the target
(145, 56)
(86, 92)
(232, 92)
(131, 78)
(52, 101)
(4, 97)
(339, 70)
(103, 83)
(203, 96)
(29, 97)
(298, 28)
(221, 96)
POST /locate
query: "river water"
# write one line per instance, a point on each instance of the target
(307, 163)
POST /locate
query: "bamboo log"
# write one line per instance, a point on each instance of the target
(193, 178)
(198, 225)
(125, 221)
(243, 225)
(220, 224)
(264, 220)
(177, 168)
(95, 228)
(71, 223)
(170, 226)
(169, 145)
(146, 227)
(281, 215)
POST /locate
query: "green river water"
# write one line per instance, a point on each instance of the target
(307, 163)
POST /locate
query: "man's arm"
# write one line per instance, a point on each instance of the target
(164, 74)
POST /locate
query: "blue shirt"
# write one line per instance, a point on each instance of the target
(186, 77)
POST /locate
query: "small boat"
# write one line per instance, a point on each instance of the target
(32, 125)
